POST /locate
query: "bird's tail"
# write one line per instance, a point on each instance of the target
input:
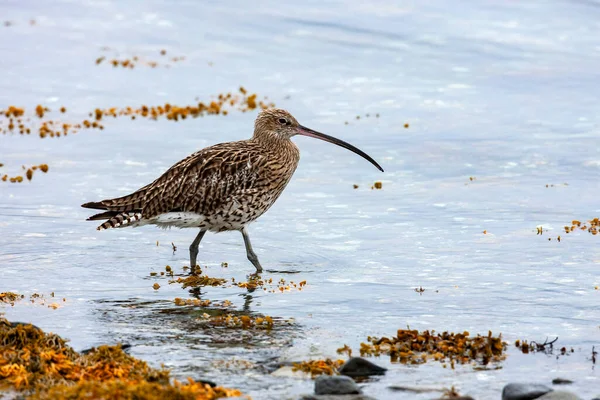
(117, 219)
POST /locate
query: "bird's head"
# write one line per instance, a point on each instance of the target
(276, 125)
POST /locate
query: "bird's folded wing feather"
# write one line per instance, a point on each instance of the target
(204, 182)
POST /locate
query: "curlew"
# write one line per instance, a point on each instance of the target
(220, 188)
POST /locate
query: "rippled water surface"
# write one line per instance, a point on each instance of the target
(505, 92)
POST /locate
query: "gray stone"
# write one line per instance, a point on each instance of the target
(524, 391)
(337, 397)
(559, 395)
(357, 366)
(326, 384)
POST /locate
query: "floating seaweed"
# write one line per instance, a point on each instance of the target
(269, 285)
(10, 298)
(133, 61)
(414, 347)
(235, 321)
(28, 173)
(593, 228)
(199, 281)
(546, 347)
(345, 350)
(192, 302)
(244, 102)
(319, 367)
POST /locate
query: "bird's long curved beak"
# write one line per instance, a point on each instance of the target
(304, 131)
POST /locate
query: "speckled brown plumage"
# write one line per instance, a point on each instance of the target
(219, 188)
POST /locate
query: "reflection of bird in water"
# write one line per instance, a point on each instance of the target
(220, 188)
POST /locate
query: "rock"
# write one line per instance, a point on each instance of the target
(357, 366)
(561, 381)
(326, 384)
(559, 395)
(337, 397)
(524, 391)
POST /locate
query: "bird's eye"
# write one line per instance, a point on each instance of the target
(283, 121)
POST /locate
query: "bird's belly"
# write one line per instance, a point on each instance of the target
(217, 222)
(179, 220)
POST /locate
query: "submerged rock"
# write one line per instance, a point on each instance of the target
(524, 391)
(559, 395)
(336, 385)
(357, 366)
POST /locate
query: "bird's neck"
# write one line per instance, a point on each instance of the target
(282, 149)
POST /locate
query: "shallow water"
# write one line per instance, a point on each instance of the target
(501, 91)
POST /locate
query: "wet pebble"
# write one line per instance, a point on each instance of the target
(457, 398)
(559, 395)
(414, 389)
(358, 367)
(15, 324)
(336, 385)
(124, 346)
(524, 391)
(561, 381)
(337, 397)
(206, 382)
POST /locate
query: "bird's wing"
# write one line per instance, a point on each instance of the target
(132, 202)
(205, 181)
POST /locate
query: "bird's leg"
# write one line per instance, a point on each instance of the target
(249, 252)
(194, 249)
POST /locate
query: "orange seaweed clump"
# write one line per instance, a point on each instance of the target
(43, 365)
(137, 60)
(414, 347)
(198, 281)
(10, 297)
(45, 128)
(191, 302)
(28, 173)
(243, 322)
(319, 367)
(593, 228)
(13, 111)
(123, 390)
(244, 101)
(269, 285)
